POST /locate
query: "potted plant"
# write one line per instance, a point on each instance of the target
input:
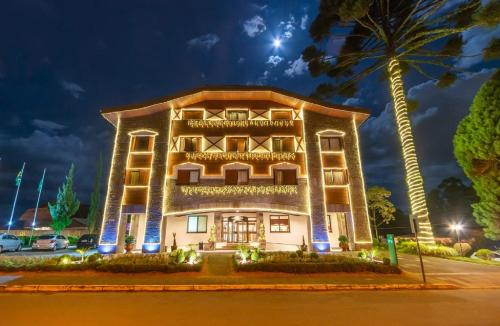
(344, 243)
(129, 243)
(213, 237)
(262, 237)
(173, 247)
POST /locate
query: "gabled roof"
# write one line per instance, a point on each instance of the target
(237, 92)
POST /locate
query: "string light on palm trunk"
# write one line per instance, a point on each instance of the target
(413, 178)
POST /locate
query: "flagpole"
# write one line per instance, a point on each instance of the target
(40, 186)
(15, 198)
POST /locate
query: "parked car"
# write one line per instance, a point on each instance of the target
(87, 241)
(50, 242)
(9, 242)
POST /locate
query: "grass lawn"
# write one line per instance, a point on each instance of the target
(475, 261)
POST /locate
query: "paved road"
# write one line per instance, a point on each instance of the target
(453, 307)
(450, 271)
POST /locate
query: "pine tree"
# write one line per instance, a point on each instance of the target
(95, 199)
(477, 149)
(66, 205)
(394, 36)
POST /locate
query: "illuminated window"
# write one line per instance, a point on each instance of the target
(237, 115)
(191, 144)
(331, 144)
(336, 177)
(188, 177)
(340, 218)
(285, 177)
(283, 144)
(192, 115)
(141, 143)
(281, 115)
(237, 144)
(236, 177)
(197, 224)
(280, 223)
(135, 177)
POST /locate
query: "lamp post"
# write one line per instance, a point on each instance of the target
(457, 227)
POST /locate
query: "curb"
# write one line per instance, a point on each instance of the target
(220, 287)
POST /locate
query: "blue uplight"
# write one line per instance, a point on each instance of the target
(106, 249)
(150, 248)
(321, 246)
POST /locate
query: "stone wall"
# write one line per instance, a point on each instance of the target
(314, 123)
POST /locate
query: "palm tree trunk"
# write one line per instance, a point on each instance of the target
(414, 180)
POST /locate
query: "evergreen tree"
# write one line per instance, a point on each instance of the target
(66, 205)
(477, 149)
(394, 36)
(95, 199)
(380, 207)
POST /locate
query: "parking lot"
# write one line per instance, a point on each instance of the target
(28, 252)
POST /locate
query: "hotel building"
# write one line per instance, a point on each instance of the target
(234, 164)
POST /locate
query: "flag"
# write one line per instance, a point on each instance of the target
(19, 177)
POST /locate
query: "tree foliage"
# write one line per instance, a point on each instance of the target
(419, 33)
(95, 199)
(450, 202)
(66, 204)
(477, 149)
(380, 207)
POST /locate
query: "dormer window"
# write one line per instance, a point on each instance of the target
(281, 115)
(283, 144)
(329, 143)
(192, 115)
(191, 144)
(237, 144)
(188, 177)
(236, 177)
(141, 143)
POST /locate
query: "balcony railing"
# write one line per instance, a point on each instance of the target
(231, 190)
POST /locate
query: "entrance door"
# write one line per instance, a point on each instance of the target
(238, 229)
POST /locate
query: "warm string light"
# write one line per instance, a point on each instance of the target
(413, 178)
(239, 123)
(229, 190)
(247, 156)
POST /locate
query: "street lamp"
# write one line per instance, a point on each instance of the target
(457, 227)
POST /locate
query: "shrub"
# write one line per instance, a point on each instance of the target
(256, 254)
(466, 248)
(72, 240)
(314, 255)
(485, 254)
(410, 247)
(94, 258)
(293, 255)
(386, 261)
(363, 254)
(324, 264)
(300, 253)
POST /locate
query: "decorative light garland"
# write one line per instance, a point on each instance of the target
(247, 156)
(238, 123)
(229, 190)
(413, 178)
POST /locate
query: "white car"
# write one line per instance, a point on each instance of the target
(50, 242)
(9, 242)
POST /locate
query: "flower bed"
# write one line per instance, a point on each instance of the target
(121, 263)
(300, 263)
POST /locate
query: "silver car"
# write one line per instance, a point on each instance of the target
(50, 242)
(9, 242)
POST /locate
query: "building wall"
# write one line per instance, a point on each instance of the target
(289, 241)
(113, 231)
(315, 123)
(178, 224)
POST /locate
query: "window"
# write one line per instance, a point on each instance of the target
(191, 144)
(192, 115)
(197, 224)
(135, 177)
(236, 177)
(188, 177)
(237, 144)
(141, 143)
(340, 218)
(336, 177)
(285, 177)
(283, 144)
(281, 115)
(331, 144)
(280, 223)
(236, 115)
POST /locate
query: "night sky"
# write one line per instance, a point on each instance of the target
(62, 61)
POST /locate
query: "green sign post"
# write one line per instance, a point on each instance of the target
(392, 249)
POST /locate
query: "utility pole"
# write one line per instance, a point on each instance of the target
(19, 178)
(40, 186)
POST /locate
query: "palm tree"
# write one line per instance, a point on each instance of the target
(394, 36)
